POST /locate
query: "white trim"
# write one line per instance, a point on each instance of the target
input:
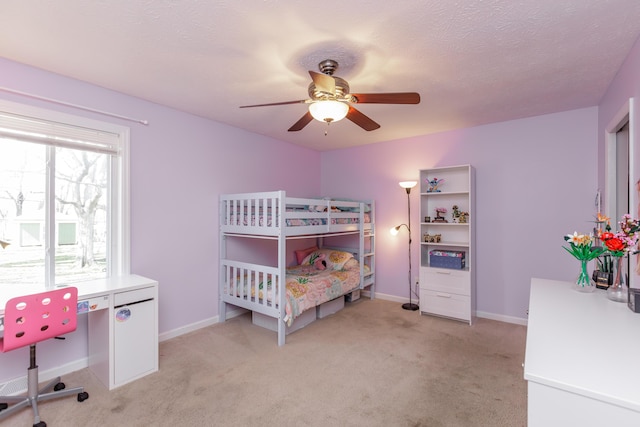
(198, 325)
(388, 297)
(482, 314)
(502, 318)
(618, 121)
(68, 104)
(626, 114)
(120, 225)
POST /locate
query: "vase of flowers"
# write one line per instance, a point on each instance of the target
(619, 245)
(582, 249)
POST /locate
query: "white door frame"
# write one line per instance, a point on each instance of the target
(624, 115)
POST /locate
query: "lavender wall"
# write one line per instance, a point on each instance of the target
(535, 182)
(179, 165)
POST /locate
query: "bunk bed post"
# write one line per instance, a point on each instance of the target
(372, 248)
(361, 243)
(282, 265)
(222, 306)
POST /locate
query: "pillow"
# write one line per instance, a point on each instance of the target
(302, 253)
(334, 259)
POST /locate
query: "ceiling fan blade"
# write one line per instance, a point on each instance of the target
(300, 124)
(302, 101)
(323, 82)
(361, 120)
(387, 98)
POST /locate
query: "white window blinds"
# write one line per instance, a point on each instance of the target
(41, 131)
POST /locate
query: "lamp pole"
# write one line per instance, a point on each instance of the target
(409, 305)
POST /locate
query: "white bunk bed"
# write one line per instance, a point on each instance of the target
(273, 215)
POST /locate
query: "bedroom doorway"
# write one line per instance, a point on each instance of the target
(620, 176)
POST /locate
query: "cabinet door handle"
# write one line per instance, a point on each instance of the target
(448, 273)
(443, 295)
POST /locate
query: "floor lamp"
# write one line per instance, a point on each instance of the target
(407, 185)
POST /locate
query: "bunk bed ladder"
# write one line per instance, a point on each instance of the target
(367, 249)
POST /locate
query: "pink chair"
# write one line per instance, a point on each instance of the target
(28, 320)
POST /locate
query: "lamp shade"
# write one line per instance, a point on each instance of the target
(408, 184)
(328, 111)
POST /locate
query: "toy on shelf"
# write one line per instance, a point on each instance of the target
(432, 238)
(433, 185)
(440, 212)
(459, 216)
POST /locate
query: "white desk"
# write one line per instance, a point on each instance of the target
(123, 326)
(572, 340)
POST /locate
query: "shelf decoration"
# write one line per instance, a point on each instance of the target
(619, 245)
(457, 216)
(433, 185)
(581, 247)
(603, 272)
(432, 238)
(440, 212)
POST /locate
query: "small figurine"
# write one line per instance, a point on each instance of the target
(455, 215)
(432, 238)
(433, 185)
(440, 212)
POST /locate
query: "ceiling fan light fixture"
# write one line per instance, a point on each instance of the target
(329, 110)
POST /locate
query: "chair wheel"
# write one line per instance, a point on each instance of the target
(82, 396)
(40, 424)
(59, 386)
(3, 406)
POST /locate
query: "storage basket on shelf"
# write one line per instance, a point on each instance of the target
(447, 259)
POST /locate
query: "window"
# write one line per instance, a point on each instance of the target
(63, 198)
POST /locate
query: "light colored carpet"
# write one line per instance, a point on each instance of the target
(371, 364)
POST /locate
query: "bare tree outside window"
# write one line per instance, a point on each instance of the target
(81, 183)
(80, 180)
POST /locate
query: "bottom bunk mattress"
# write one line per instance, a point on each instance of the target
(322, 276)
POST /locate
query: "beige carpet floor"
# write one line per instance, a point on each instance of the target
(370, 364)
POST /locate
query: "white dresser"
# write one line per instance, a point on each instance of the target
(582, 360)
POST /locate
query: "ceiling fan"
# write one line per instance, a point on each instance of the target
(331, 101)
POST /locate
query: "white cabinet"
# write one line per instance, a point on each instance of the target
(135, 334)
(578, 361)
(123, 333)
(447, 243)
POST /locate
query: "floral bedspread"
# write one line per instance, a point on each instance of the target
(308, 287)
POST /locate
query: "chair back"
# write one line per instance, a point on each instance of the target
(33, 318)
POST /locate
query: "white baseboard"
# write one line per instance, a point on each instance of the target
(483, 314)
(198, 325)
(387, 297)
(502, 318)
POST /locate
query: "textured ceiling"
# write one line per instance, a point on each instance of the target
(473, 62)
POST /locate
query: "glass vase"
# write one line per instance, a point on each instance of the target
(618, 290)
(584, 283)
